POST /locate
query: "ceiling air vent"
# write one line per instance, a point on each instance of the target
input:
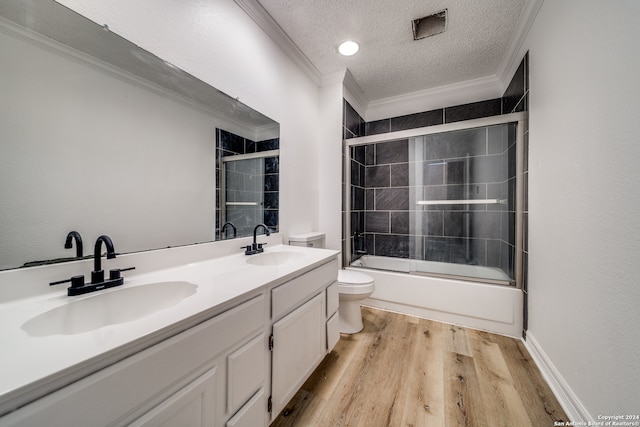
(430, 25)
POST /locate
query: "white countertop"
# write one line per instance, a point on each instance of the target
(30, 363)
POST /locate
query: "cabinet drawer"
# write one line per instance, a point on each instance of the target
(287, 296)
(333, 299)
(333, 331)
(246, 372)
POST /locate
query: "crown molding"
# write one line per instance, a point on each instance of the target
(354, 94)
(430, 99)
(513, 55)
(261, 17)
(333, 78)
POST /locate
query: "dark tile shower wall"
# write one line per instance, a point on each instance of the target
(457, 113)
(394, 225)
(380, 196)
(229, 144)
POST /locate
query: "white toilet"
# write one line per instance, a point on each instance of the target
(353, 286)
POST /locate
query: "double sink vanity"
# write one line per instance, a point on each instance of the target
(212, 337)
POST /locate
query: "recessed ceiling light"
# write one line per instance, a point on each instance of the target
(348, 48)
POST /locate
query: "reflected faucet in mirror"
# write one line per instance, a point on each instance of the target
(68, 244)
(224, 227)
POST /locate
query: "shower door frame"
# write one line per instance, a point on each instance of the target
(518, 118)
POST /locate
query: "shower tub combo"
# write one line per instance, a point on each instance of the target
(435, 217)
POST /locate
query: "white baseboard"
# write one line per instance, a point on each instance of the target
(572, 406)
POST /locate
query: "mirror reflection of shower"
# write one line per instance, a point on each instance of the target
(248, 184)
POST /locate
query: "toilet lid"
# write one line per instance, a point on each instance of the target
(354, 277)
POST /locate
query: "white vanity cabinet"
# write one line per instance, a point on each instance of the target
(300, 330)
(200, 377)
(236, 367)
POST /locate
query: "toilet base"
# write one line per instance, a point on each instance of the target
(350, 317)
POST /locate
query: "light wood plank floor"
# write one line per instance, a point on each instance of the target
(405, 371)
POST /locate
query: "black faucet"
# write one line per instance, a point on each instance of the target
(255, 247)
(78, 287)
(68, 244)
(222, 230)
(97, 275)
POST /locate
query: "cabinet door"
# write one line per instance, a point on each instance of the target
(298, 347)
(194, 406)
(246, 372)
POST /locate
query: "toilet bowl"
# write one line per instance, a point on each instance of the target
(353, 287)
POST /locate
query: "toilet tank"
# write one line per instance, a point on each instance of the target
(311, 240)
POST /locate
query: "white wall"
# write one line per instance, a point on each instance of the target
(584, 200)
(219, 43)
(331, 99)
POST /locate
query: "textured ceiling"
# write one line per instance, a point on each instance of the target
(390, 63)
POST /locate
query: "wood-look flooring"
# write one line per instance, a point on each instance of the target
(406, 371)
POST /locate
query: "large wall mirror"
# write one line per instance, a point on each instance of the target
(102, 137)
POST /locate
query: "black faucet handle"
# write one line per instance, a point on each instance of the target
(259, 248)
(97, 276)
(115, 273)
(76, 281)
(249, 249)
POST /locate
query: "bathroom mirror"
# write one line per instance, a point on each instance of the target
(102, 137)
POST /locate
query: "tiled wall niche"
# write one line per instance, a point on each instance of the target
(367, 172)
(245, 218)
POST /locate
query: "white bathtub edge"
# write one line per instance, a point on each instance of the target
(491, 308)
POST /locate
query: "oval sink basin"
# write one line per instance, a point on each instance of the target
(108, 308)
(273, 258)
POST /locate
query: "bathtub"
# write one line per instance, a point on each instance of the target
(487, 306)
(462, 271)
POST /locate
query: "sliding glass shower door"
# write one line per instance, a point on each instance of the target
(464, 210)
(444, 199)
